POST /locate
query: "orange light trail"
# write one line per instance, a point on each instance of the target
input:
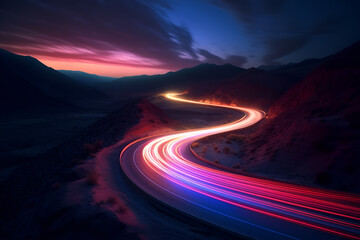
(328, 211)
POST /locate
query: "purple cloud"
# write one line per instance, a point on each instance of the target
(129, 33)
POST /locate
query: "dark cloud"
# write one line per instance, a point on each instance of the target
(241, 8)
(209, 57)
(140, 33)
(281, 47)
(119, 32)
(236, 60)
(232, 59)
(249, 13)
(132, 33)
(326, 25)
(284, 27)
(273, 6)
(247, 10)
(184, 39)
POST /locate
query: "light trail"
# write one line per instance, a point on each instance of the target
(166, 157)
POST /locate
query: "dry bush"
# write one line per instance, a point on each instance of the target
(217, 161)
(236, 166)
(111, 200)
(89, 149)
(92, 178)
(121, 209)
(98, 145)
(226, 150)
(235, 137)
(216, 149)
(195, 145)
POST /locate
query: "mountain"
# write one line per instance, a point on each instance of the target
(86, 78)
(301, 69)
(253, 87)
(312, 133)
(259, 88)
(28, 85)
(269, 67)
(196, 80)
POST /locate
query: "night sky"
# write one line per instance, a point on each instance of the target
(120, 38)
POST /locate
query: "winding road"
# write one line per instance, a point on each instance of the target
(164, 167)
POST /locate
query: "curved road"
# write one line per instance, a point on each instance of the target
(164, 167)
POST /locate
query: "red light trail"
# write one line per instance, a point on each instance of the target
(164, 167)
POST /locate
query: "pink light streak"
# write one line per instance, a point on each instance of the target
(329, 211)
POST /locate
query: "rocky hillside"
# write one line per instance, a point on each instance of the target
(260, 88)
(196, 80)
(28, 85)
(34, 202)
(312, 134)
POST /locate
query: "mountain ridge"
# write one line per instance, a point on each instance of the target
(29, 85)
(312, 131)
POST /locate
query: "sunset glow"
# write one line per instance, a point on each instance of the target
(103, 69)
(136, 37)
(191, 119)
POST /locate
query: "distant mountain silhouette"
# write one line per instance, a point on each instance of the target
(312, 133)
(301, 69)
(87, 78)
(269, 67)
(259, 88)
(28, 85)
(196, 80)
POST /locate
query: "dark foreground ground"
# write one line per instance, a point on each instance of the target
(77, 189)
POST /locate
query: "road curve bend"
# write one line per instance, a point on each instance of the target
(165, 168)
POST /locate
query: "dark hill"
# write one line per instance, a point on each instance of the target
(92, 80)
(27, 85)
(313, 132)
(260, 88)
(301, 69)
(196, 80)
